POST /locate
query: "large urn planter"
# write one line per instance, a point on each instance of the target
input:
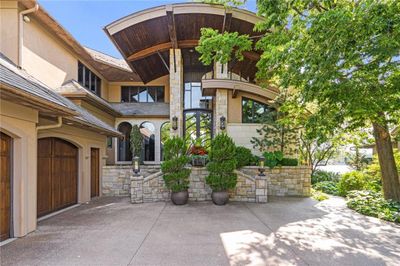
(179, 198)
(220, 198)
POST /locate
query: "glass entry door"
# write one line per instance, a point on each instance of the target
(198, 124)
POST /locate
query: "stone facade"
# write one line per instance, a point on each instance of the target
(221, 97)
(149, 187)
(176, 92)
(116, 178)
(152, 188)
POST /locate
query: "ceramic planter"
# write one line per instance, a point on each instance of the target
(220, 198)
(180, 198)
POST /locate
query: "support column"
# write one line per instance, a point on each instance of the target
(221, 97)
(176, 90)
(137, 189)
(261, 189)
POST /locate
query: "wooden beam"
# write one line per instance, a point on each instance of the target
(162, 59)
(226, 26)
(161, 48)
(171, 27)
(252, 56)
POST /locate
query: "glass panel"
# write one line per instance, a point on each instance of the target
(133, 94)
(152, 94)
(160, 94)
(253, 111)
(142, 94)
(165, 134)
(247, 111)
(147, 129)
(124, 145)
(93, 83)
(80, 72)
(98, 86)
(125, 94)
(87, 77)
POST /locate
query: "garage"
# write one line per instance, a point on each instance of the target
(57, 185)
(5, 186)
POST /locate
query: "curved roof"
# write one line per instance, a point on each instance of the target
(144, 38)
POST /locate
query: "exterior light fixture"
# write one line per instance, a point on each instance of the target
(174, 123)
(261, 166)
(222, 122)
(136, 165)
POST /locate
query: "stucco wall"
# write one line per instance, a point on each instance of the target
(114, 88)
(19, 122)
(9, 29)
(242, 134)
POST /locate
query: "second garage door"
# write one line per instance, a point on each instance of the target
(57, 175)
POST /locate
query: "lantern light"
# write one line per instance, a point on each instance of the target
(136, 165)
(174, 123)
(261, 166)
(222, 122)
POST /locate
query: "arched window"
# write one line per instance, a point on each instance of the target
(148, 153)
(165, 134)
(124, 146)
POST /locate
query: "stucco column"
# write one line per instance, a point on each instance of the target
(176, 89)
(221, 97)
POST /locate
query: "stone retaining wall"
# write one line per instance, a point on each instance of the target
(280, 181)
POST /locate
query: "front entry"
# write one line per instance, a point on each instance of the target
(198, 125)
(57, 185)
(94, 172)
(5, 186)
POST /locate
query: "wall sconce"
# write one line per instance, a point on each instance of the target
(261, 166)
(222, 122)
(174, 123)
(136, 165)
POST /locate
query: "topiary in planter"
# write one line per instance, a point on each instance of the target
(221, 168)
(176, 176)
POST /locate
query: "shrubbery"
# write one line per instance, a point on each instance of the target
(243, 157)
(222, 164)
(176, 176)
(354, 180)
(320, 175)
(329, 187)
(318, 195)
(373, 204)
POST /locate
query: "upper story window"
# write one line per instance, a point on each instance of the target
(142, 94)
(254, 111)
(88, 79)
(193, 97)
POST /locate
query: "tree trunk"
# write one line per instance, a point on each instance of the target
(390, 176)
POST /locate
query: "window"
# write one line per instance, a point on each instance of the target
(253, 111)
(124, 145)
(148, 152)
(109, 142)
(88, 79)
(142, 94)
(193, 97)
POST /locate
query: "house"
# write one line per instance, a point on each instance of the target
(67, 110)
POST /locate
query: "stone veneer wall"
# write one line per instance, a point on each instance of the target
(280, 181)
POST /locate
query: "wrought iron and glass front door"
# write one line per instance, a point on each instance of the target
(198, 125)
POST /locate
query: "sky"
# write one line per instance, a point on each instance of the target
(85, 19)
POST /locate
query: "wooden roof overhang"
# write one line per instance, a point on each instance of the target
(144, 38)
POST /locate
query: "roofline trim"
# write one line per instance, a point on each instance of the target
(181, 8)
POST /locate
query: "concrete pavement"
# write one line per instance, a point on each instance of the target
(285, 231)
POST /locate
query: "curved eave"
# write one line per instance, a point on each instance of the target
(181, 8)
(210, 85)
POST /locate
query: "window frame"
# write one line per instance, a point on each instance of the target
(137, 88)
(266, 108)
(82, 71)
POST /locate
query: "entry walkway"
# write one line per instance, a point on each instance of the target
(300, 231)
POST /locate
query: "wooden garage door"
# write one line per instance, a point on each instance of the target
(94, 172)
(57, 175)
(5, 185)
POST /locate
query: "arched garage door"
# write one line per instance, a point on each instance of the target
(57, 175)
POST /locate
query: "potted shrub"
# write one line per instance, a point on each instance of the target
(221, 168)
(176, 175)
(198, 153)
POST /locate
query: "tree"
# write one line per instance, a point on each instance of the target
(136, 139)
(343, 56)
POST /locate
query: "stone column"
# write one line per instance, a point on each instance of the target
(261, 189)
(137, 189)
(221, 97)
(176, 89)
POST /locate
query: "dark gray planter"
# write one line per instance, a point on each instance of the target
(180, 198)
(220, 198)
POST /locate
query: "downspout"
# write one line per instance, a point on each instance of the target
(21, 30)
(57, 125)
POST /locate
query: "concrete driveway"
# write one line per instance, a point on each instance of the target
(285, 231)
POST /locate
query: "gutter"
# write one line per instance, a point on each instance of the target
(21, 30)
(57, 125)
